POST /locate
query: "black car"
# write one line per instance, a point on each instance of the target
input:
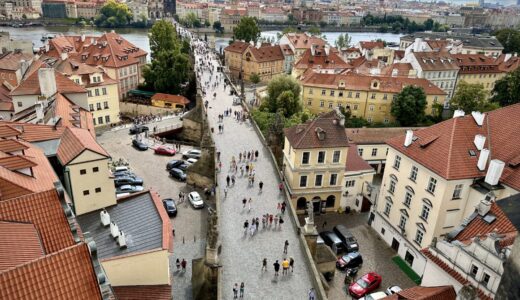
(138, 129)
(170, 206)
(123, 174)
(346, 237)
(178, 174)
(333, 241)
(183, 166)
(349, 260)
(125, 180)
(139, 145)
(174, 164)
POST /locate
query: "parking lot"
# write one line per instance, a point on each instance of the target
(376, 254)
(189, 224)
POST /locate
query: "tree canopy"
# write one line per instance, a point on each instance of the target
(400, 24)
(471, 97)
(254, 78)
(113, 14)
(507, 89)
(408, 108)
(283, 95)
(162, 37)
(217, 26)
(510, 39)
(343, 41)
(314, 31)
(247, 30)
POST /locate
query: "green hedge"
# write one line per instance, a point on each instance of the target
(406, 269)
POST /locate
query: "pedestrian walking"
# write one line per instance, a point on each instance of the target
(285, 246)
(246, 225)
(183, 265)
(264, 264)
(244, 201)
(312, 294)
(279, 206)
(261, 185)
(281, 221)
(283, 208)
(256, 154)
(285, 266)
(242, 290)
(249, 204)
(178, 264)
(225, 192)
(233, 179)
(276, 266)
(275, 221)
(235, 291)
(227, 180)
(291, 264)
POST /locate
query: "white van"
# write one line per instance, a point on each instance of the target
(121, 169)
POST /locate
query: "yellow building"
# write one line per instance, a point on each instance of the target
(170, 101)
(436, 176)
(230, 17)
(478, 69)
(369, 97)
(314, 157)
(267, 61)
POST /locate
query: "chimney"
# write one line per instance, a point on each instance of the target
(105, 218)
(82, 38)
(121, 240)
(482, 159)
(64, 56)
(417, 45)
(409, 138)
(47, 81)
(479, 117)
(394, 72)
(458, 113)
(24, 65)
(327, 50)
(341, 117)
(112, 31)
(494, 172)
(483, 207)
(94, 41)
(479, 141)
(114, 230)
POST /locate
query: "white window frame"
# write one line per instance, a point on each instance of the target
(397, 162)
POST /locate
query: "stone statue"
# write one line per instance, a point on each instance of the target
(310, 212)
(212, 235)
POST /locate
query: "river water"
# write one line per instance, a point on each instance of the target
(139, 37)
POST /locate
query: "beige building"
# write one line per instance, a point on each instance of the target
(478, 69)
(230, 17)
(301, 42)
(320, 60)
(314, 159)
(437, 175)
(358, 190)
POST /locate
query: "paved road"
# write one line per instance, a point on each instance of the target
(242, 255)
(189, 223)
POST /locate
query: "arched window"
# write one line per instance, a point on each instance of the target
(301, 203)
(331, 200)
(410, 189)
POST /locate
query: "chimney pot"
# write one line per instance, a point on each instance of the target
(496, 167)
(482, 159)
(408, 138)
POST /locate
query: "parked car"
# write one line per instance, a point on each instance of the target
(184, 166)
(128, 189)
(164, 150)
(138, 129)
(170, 207)
(121, 169)
(349, 260)
(123, 173)
(394, 289)
(375, 296)
(191, 161)
(364, 285)
(195, 200)
(178, 174)
(333, 241)
(125, 180)
(139, 145)
(346, 237)
(193, 153)
(174, 163)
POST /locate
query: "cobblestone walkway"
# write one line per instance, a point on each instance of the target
(242, 254)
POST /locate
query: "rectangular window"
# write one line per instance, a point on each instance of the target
(413, 173)
(340, 94)
(432, 184)
(82, 172)
(98, 106)
(357, 95)
(303, 181)
(96, 91)
(474, 271)
(107, 119)
(333, 179)
(330, 104)
(86, 193)
(355, 106)
(373, 96)
(318, 180)
(457, 191)
(397, 162)
(98, 190)
(388, 206)
(391, 188)
(349, 94)
(95, 169)
(419, 236)
(374, 151)
(408, 199)
(360, 152)
(425, 212)
(336, 156)
(105, 104)
(321, 157)
(485, 279)
(350, 183)
(100, 120)
(89, 93)
(323, 92)
(402, 222)
(310, 91)
(91, 107)
(322, 103)
(305, 158)
(332, 93)
(385, 96)
(309, 102)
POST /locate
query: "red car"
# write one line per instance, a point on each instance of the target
(364, 285)
(164, 150)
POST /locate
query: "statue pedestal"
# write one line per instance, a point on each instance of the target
(311, 236)
(309, 227)
(211, 256)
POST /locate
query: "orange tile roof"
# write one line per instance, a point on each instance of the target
(143, 292)
(5, 97)
(31, 85)
(372, 45)
(44, 210)
(171, 98)
(286, 49)
(16, 162)
(374, 135)
(234, 12)
(436, 61)
(321, 60)
(167, 238)
(20, 244)
(71, 114)
(11, 60)
(74, 141)
(446, 292)
(354, 162)
(304, 136)
(303, 41)
(237, 47)
(448, 155)
(63, 275)
(267, 53)
(11, 145)
(476, 64)
(510, 65)
(8, 131)
(32, 132)
(364, 83)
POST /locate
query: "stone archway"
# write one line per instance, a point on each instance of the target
(331, 201)
(316, 204)
(301, 203)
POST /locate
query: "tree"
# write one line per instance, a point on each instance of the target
(471, 97)
(507, 89)
(283, 95)
(113, 14)
(163, 36)
(343, 41)
(206, 23)
(168, 72)
(218, 27)
(254, 78)
(408, 107)
(247, 30)
(510, 39)
(314, 30)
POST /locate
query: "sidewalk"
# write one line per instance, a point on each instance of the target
(241, 256)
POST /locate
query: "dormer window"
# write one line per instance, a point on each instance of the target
(341, 84)
(375, 84)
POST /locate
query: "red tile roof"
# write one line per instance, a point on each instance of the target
(143, 292)
(237, 47)
(509, 65)
(371, 45)
(321, 60)
(6, 103)
(63, 275)
(171, 98)
(31, 132)
(11, 145)
(286, 49)
(448, 155)
(8, 131)
(436, 61)
(267, 53)
(74, 141)
(31, 85)
(12, 60)
(446, 292)
(304, 136)
(476, 64)
(374, 135)
(478, 227)
(44, 211)
(20, 244)
(70, 114)
(16, 162)
(303, 41)
(354, 162)
(234, 12)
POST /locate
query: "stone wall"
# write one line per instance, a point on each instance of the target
(140, 109)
